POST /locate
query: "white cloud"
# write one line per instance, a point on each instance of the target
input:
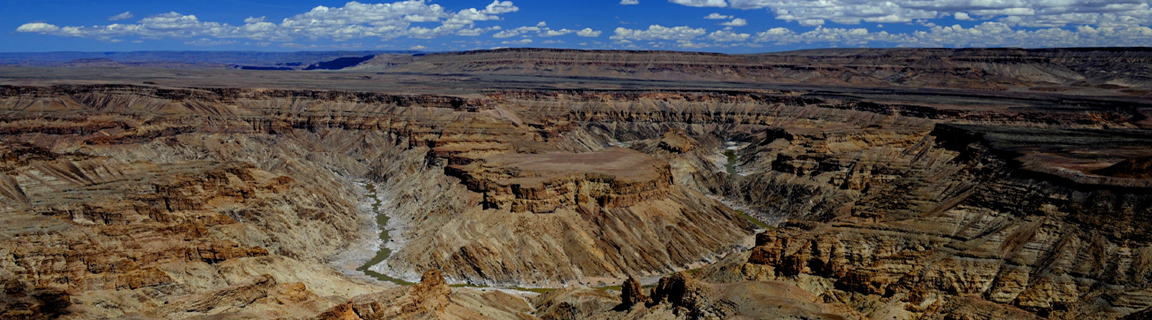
(417, 47)
(691, 45)
(500, 7)
(354, 20)
(512, 32)
(588, 33)
(701, 3)
(554, 33)
(1027, 23)
(728, 36)
(658, 32)
(987, 34)
(521, 41)
(736, 23)
(852, 37)
(1027, 13)
(122, 16)
(476, 31)
(810, 22)
(341, 46)
(38, 27)
(542, 30)
(207, 42)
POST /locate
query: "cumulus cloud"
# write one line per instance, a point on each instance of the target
(701, 3)
(1026, 13)
(542, 30)
(736, 23)
(208, 42)
(728, 36)
(353, 20)
(500, 7)
(851, 37)
(658, 32)
(123, 16)
(38, 27)
(691, 45)
(1026, 23)
(554, 33)
(588, 33)
(987, 34)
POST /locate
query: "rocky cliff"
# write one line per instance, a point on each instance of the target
(1062, 70)
(902, 200)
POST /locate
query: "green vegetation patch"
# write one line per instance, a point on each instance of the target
(753, 220)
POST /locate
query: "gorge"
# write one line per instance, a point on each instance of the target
(560, 184)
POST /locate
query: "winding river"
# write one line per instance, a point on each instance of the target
(382, 252)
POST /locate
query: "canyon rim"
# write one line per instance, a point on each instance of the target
(583, 184)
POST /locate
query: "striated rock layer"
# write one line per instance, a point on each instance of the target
(898, 202)
(1044, 70)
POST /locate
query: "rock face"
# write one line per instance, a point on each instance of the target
(426, 299)
(984, 69)
(109, 237)
(1138, 168)
(630, 293)
(430, 299)
(541, 183)
(968, 218)
(550, 218)
(688, 298)
(910, 198)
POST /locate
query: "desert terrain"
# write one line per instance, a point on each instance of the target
(571, 184)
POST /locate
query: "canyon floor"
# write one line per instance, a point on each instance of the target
(565, 184)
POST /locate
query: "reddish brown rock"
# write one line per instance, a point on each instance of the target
(542, 183)
(631, 294)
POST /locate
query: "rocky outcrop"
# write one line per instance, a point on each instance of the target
(260, 296)
(682, 291)
(430, 299)
(677, 141)
(900, 200)
(1011, 239)
(165, 227)
(680, 296)
(424, 300)
(625, 220)
(541, 183)
(604, 221)
(1137, 168)
(630, 293)
(985, 69)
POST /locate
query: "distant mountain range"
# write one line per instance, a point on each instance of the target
(205, 59)
(1069, 70)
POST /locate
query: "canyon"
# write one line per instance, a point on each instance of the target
(567, 184)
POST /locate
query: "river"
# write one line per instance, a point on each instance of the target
(382, 252)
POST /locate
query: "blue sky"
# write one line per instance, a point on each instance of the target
(732, 26)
